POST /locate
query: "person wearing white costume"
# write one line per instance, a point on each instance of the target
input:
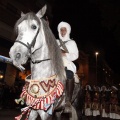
(114, 104)
(70, 53)
(88, 102)
(96, 102)
(103, 102)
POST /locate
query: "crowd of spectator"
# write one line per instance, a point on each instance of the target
(101, 102)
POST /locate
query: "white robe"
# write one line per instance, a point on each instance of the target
(71, 56)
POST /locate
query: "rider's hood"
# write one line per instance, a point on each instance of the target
(68, 27)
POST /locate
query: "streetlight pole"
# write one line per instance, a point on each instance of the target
(96, 54)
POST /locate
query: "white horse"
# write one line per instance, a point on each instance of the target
(43, 91)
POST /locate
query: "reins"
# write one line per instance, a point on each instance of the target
(29, 45)
(39, 61)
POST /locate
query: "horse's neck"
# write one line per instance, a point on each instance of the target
(44, 68)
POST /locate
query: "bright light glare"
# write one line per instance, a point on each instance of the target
(1, 76)
(96, 53)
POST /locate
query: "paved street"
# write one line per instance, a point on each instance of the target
(8, 114)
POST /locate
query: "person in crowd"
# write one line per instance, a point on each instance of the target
(103, 101)
(114, 103)
(70, 53)
(96, 103)
(88, 102)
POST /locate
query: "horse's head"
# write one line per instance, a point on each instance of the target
(27, 29)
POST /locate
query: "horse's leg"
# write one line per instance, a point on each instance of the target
(33, 115)
(44, 115)
(73, 115)
(58, 116)
(58, 108)
(78, 100)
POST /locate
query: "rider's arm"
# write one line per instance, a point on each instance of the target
(73, 50)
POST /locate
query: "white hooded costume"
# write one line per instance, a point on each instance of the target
(71, 47)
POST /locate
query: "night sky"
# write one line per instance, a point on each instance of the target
(95, 26)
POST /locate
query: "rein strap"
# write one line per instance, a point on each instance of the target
(39, 61)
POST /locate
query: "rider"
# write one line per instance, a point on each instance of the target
(70, 53)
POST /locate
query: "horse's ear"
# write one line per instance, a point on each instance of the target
(22, 14)
(41, 12)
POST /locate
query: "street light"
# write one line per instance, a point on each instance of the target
(1, 75)
(96, 54)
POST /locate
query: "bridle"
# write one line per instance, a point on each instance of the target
(29, 46)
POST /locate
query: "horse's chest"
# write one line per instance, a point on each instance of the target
(38, 89)
(41, 92)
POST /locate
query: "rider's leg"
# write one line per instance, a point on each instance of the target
(69, 91)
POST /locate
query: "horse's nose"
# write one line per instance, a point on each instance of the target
(18, 56)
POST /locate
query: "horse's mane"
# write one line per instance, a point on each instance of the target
(54, 51)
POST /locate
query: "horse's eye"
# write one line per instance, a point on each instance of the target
(33, 27)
